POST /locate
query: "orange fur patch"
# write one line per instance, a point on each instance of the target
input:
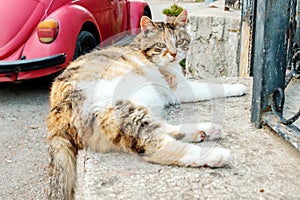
(170, 78)
(110, 128)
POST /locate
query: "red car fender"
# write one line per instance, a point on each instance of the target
(134, 16)
(69, 30)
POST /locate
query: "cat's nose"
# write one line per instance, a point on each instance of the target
(173, 54)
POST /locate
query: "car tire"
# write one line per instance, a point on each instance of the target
(85, 43)
(147, 12)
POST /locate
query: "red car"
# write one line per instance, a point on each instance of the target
(41, 37)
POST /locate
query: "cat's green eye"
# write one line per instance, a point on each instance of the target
(179, 42)
(160, 45)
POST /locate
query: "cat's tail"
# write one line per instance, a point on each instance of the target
(63, 143)
(131, 128)
(62, 169)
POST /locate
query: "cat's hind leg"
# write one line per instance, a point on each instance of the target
(132, 129)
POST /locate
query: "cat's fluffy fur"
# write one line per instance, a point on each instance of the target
(111, 99)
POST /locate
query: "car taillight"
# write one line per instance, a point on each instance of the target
(47, 30)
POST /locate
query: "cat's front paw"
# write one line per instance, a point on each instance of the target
(208, 131)
(241, 89)
(235, 90)
(218, 157)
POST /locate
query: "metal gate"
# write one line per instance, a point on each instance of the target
(271, 31)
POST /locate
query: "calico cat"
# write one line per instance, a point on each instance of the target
(111, 99)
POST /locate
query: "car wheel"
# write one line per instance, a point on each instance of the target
(147, 12)
(85, 43)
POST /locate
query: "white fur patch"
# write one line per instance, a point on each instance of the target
(151, 91)
(190, 91)
(212, 157)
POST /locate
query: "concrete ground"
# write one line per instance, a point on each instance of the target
(263, 166)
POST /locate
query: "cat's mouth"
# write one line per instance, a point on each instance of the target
(173, 58)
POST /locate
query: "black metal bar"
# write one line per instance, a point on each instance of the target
(276, 102)
(271, 20)
(291, 33)
(292, 119)
(297, 18)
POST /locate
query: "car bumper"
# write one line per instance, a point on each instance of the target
(32, 64)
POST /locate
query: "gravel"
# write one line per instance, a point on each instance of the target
(23, 161)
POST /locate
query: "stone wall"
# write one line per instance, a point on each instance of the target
(215, 37)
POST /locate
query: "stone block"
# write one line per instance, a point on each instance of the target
(215, 44)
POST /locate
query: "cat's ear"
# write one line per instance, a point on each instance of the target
(147, 23)
(181, 19)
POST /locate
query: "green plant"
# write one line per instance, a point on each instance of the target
(174, 10)
(182, 63)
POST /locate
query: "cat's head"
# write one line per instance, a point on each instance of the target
(164, 42)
